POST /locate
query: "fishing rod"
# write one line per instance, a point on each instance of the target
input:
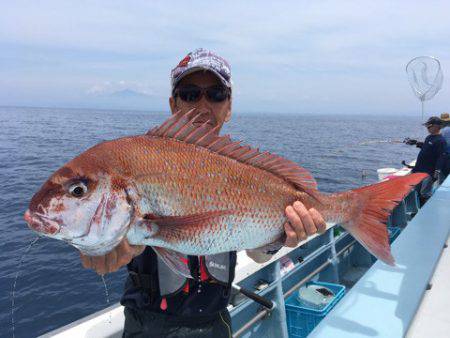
(409, 141)
(269, 304)
(390, 141)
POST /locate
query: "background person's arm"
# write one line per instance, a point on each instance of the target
(441, 161)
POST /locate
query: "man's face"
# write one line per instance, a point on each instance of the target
(217, 112)
(433, 129)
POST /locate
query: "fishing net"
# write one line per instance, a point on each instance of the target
(425, 77)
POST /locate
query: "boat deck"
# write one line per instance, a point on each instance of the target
(433, 317)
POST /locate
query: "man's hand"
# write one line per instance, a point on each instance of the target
(302, 223)
(113, 261)
(409, 141)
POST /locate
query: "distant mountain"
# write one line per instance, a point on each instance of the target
(128, 93)
(127, 99)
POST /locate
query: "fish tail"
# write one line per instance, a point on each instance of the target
(366, 211)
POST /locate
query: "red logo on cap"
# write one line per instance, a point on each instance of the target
(185, 61)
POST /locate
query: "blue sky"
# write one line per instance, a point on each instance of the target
(290, 56)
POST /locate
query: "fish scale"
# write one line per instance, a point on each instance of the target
(253, 208)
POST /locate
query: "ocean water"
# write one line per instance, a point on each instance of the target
(53, 289)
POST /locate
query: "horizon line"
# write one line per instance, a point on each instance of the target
(235, 112)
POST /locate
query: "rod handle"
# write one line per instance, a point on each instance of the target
(254, 296)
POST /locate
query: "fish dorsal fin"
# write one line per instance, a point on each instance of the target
(181, 127)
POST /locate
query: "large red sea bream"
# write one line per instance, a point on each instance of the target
(181, 188)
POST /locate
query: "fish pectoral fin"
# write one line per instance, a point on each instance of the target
(263, 253)
(272, 247)
(174, 260)
(186, 220)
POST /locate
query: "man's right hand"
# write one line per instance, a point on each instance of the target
(409, 141)
(114, 260)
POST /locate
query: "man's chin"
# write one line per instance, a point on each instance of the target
(198, 124)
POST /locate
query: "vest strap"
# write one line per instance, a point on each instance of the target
(186, 287)
(203, 272)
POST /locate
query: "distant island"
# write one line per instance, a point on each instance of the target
(125, 99)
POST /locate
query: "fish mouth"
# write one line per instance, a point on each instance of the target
(42, 224)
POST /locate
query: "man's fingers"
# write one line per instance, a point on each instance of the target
(134, 250)
(85, 261)
(111, 261)
(99, 264)
(291, 236)
(305, 217)
(296, 223)
(138, 249)
(124, 253)
(120, 256)
(319, 222)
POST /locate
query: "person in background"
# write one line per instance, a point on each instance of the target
(158, 302)
(445, 132)
(431, 156)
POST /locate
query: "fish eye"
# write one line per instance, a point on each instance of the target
(78, 189)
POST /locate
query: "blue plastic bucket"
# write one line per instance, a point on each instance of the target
(301, 320)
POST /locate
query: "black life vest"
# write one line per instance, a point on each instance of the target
(219, 267)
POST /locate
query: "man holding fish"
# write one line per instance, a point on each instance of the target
(202, 80)
(177, 203)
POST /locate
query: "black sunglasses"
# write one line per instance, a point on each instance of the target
(193, 93)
